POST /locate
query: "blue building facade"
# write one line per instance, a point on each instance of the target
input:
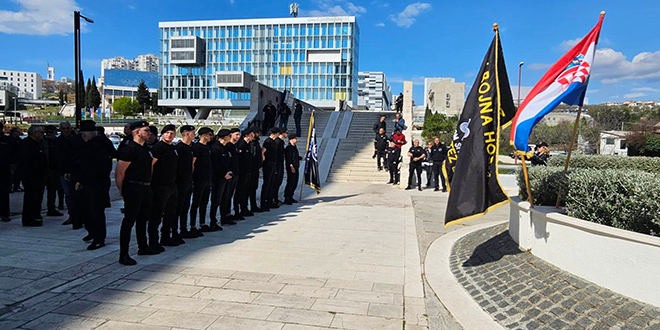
(316, 58)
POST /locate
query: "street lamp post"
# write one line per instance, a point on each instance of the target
(76, 56)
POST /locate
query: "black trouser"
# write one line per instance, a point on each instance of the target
(243, 191)
(216, 199)
(269, 181)
(415, 167)
(92, 210)
(436, 170)
(5, 187)
(32, 197)
(15, 179)
(395, 175)
(279, 178)
(53, 189)
(291, 184)
(429, 174)
(200, 199)
(227, 194)
(163, 207)
(137, 209)
(254, 186)
(184, 192)
(380, 154)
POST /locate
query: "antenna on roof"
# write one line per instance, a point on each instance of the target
(293, 9)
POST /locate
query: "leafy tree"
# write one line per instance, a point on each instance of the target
(427, 113)
(143, 96)
(611, 117)
(94, 95)
(61, 97)
(439, 125)
(126, 106)
(88, 100)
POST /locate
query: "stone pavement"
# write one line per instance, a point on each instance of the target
(522, 291)
(339, 260)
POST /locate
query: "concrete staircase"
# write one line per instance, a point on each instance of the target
(353, 160)
(321, 118)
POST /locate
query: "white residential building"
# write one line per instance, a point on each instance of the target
(29, 83)
(613, 143)
(444, 95)
(374, 92)
(146, 62)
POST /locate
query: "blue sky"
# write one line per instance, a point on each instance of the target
(407, 40)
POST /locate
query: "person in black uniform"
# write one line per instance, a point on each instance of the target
(380, 124)
(230, 189)
(15, 151)
(269, 156)
(64, 154)
(184, 181)
(393, 160)
(90, 175)
(292, 159)
(221, 176)
(53, 179)
(33, 169)
(416, 154)
(279, 167)
(245, 165)
(257, 160)
(438, 156)
(164, 189)
(153, 136)
(5, 173)
(380, 147)
(427, 164)
(133, 179)
(270, 113)
(297, 116)
(202, 176)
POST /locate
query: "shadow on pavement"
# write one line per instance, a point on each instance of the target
(492, 250)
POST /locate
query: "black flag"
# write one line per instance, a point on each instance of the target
(471, 166)
(312, 177)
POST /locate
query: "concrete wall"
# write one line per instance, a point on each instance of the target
(620, 260)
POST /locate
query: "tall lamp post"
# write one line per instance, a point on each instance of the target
(78, 70)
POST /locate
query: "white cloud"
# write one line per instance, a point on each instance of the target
(539, 66)
(39, 17)
(407, 17)
(335, 8)
(633, 95)
(568, 44)
(646, 89)
(380, 24)
(380, 4)
(417, 80)
(593, 91)
(612, 66)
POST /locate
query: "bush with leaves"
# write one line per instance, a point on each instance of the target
(646, 164)
(126, 106)
(439, 125)
(620, 198)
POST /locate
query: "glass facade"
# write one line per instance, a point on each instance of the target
(316, 58)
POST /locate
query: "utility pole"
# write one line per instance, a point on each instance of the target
(77, 61)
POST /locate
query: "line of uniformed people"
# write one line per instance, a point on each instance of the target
(166, 183)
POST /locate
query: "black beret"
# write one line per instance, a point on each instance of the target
(186, 128)
(293, 136)
(283, 130)
(274, 130)
(138, 124)
(234, 130)
(223, 132)
(87, 126)
(153, 130)
(204, 130)
(169, 127)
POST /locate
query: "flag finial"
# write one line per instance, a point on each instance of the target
(602, 13)
(495, 27)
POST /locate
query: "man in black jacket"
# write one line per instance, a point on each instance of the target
(438, 156)
(245, 160)
(380, 124)
(5, 173)
(64, 154)
(53, 179)
(221, 176)
(270, 113)
(393, 160)
(184, 181)
(202, 177)
(164, 189)
(380, 146)
(33, 167)
(292, 159)
(279, 167)
(269, 156)
(257, 160)
(416, 154)
(297, 116)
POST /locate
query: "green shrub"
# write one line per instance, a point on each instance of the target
(625, 199)
(646, 164)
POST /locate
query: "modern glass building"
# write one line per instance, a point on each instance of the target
(316, 58)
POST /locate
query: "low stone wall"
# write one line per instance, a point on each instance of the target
(620, 260)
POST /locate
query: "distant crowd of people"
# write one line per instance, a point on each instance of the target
(166, 187)
(387, 151)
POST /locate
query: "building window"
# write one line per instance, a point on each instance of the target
(623, 144)
(183, 55)
(183, 43)
(609, 141)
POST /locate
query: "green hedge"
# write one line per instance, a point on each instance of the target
(619, 198)
(646, 164)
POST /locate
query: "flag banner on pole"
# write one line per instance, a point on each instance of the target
(566, 81)
(472, 159)
(312, 177)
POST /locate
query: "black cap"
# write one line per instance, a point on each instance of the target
(87, 126)
(541, 144)
(274, 130)
(153, 130)
(234, 130)
(138, 124)
(204, 130)
(293, 136)
(186, 128)
(169, 127)
(223, 132)
(50, 128)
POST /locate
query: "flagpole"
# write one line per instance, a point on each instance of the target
(309, 133)
(570, 150)
(529, 189)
